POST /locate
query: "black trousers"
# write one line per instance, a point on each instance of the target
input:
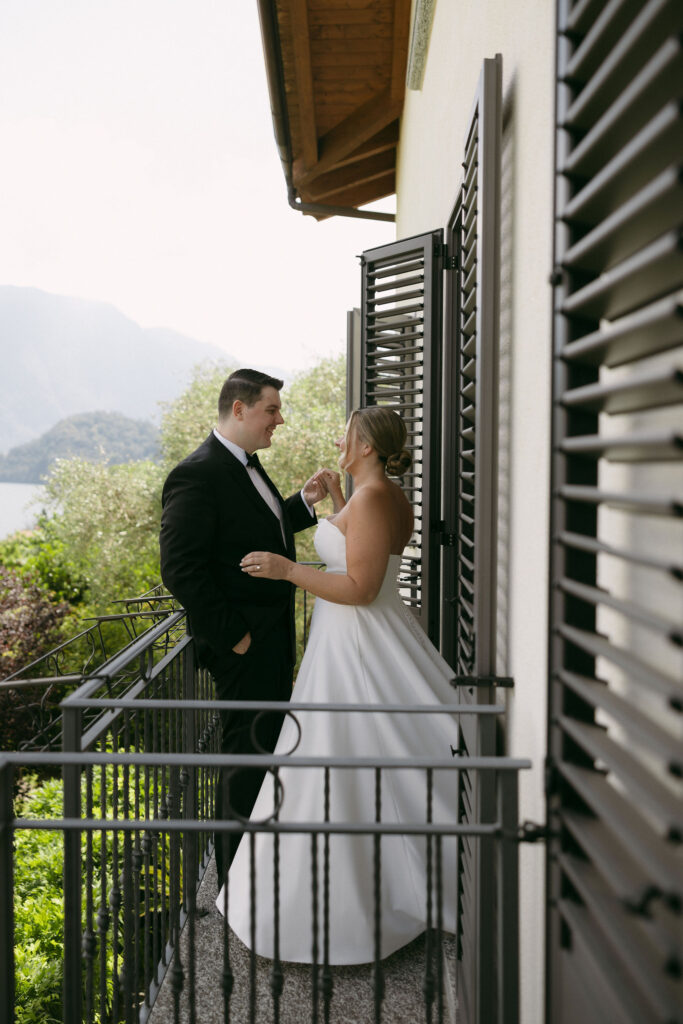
(263, 673)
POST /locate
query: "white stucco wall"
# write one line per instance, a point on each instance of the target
(435, 119)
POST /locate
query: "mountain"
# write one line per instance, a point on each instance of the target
(61, 356)
(95, 436)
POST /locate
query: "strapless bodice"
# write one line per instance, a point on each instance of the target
(330, 543)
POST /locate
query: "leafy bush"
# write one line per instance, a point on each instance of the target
(42, 555)
(39, 910)
(30, 625)
(107, 518)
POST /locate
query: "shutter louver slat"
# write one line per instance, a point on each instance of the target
(644, 332)
(658, 20)
(622, 828)
(635, 959)
(636, 724)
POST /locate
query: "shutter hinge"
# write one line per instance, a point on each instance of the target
(441, 252)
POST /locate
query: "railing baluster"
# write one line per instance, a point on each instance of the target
(7, 983)
(128, 966)
(89, 942)
(276, 976)
(428, 987)
(175, 892)
(252, 928)
(439, 927)
(378, 973)
(314, 928)
(71, 775)
(227, 979)
(103, 915)
(327, 973)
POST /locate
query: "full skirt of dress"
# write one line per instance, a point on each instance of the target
(375, 654)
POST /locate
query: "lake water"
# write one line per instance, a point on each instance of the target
(14, 515)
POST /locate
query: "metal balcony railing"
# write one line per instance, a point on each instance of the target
(139, 762)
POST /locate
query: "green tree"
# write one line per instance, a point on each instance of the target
(188, 419)
(107, 518)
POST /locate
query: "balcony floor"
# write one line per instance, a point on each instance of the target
(352, 1001)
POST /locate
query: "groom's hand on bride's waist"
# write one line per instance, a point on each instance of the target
(266, 565)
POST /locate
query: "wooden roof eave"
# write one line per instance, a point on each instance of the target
(352, 162)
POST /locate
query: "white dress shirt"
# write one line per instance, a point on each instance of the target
(257, 480)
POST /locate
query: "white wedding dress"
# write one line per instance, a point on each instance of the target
(373, 654)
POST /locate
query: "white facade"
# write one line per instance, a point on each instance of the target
(429, 172)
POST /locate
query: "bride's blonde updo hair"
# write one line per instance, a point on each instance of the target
(385, 431)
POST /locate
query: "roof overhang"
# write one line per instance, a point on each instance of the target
(336, 76)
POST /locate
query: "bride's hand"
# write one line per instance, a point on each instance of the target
(332, 482)
(266, 566)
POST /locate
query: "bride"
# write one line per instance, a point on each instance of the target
(364, 647)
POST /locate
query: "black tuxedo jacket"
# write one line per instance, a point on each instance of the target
(213, 516)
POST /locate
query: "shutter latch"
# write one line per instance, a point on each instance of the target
(532, 832)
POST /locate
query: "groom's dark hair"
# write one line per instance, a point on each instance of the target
(244, 386)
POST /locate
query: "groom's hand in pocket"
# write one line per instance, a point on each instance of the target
(243, 645)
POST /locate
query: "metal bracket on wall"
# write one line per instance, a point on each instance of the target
(532, 832)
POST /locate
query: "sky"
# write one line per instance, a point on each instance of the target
(139, 168)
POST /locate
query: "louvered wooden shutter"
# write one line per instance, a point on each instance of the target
(470, 505)
(616, 697)
(399, 367)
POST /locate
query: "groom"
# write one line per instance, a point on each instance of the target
(218, 505)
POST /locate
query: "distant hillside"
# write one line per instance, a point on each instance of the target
(95, 436)
(60, 356)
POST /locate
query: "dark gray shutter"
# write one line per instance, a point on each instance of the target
(399, 367)
(473, 295)
(615, 887)
(470, 509)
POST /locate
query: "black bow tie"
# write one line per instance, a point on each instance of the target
(254, 462)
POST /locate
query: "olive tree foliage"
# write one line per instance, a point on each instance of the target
(188, 419)
(107, 518)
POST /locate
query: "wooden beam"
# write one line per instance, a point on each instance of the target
(304, 81)
(363, 194)
(353, 175)
(399, 59)
(363, 44)
(335, 16)
(355, 31)
(351, 133)
(384, 140)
